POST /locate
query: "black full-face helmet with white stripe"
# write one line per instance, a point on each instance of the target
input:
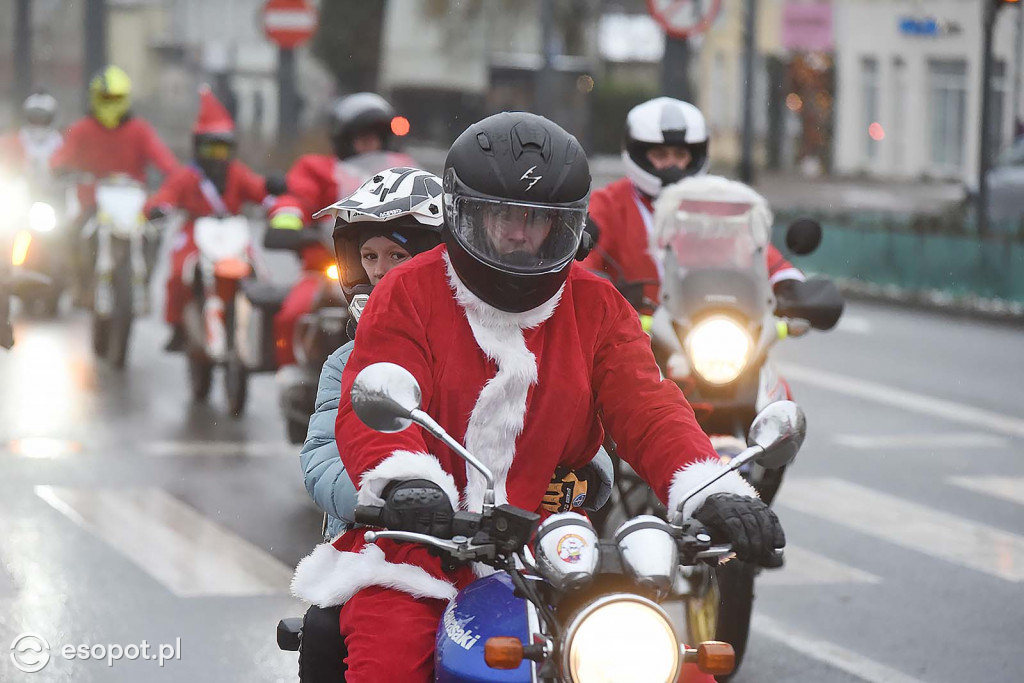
(516, 187)
(403, 204)
(657, 122)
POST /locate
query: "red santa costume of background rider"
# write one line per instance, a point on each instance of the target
(318, 180)
(623, 211)
(190, 190)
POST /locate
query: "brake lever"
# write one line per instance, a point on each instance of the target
(463, 550)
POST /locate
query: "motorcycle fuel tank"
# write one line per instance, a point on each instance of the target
(486, 608)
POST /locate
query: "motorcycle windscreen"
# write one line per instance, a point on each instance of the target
(714, 257)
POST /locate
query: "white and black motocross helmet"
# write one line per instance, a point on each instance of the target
(516, 187)
(663, 121)
(402, 204)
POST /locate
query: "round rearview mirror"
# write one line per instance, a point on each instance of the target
(384, 396)
(803, 236)
(779, 429)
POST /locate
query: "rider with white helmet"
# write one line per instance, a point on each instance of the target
(665, 141)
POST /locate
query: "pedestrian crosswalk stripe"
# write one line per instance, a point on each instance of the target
(252, 449)
(931, 440)
(835, 656)
(176, 545)
(905, 400)
(804, 568)
(923, 529)
(1007, 488)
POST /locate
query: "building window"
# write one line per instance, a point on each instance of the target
(869, 98)
(947, 86)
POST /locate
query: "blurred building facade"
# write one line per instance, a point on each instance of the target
(910, 86)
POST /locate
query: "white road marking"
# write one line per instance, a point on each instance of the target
(171, 541)
(1007, 488)
(932, 532)
(854, 324)
(804, 568)
(932, 440)
(907, 400)
(835, 656)
(251, 449)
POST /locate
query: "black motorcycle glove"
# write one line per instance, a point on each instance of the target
(749, 525)
(417, 505)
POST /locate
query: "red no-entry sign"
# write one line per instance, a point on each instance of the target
(684, 18)
(289, 23)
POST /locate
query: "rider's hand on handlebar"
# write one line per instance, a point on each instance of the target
(749, 525)
(157, 212)
(417, 505)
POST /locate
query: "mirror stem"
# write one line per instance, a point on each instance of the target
(424, 420)
(734, 464)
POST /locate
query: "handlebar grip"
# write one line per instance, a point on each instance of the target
(370, 515)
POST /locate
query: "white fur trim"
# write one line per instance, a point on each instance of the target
(402, 465)
(329, 577)
(500, 410)
(696, 472)
(787, 274)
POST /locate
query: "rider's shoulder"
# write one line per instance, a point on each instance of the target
(616, 187)
(586, 283)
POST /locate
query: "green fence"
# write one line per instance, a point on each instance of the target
(918, 254)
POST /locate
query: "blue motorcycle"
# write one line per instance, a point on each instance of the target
(562, 604)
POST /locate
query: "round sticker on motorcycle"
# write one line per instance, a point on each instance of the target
(570, 548)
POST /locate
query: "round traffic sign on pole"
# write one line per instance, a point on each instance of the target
(684, 18)
(289, 23)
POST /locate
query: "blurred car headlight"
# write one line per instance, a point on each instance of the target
(42, 217)
(719, 349)
(620, 639)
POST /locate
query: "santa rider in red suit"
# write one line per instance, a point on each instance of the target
(215, 184)
(362, 136)
(27, 151)
(522, 355)
(666, 140)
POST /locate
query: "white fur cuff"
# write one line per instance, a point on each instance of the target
(400, 466)
(693, 474)
(329, 577)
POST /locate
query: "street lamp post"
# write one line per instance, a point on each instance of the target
(991, 10)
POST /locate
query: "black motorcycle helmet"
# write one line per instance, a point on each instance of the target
(359, 114)
(516, 187)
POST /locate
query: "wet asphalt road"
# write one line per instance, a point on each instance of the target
(127, 513)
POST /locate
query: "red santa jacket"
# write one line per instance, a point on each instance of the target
(525, 392)
(91, 147)
(319, 180)
(183, 189)
(623, 217)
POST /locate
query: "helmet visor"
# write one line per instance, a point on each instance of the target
(518, 237)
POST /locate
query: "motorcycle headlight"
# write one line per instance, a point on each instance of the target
(719, 349)
(42, 217)
(621, 639)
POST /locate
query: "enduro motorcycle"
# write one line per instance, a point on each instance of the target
(122, 238)
(712, 335)
(33, 217)
(577, 608)
(218, 315)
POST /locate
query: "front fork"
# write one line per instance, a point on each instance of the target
(105, 266)
(219, 338)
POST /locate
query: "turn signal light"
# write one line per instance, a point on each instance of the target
(332, 272)
(713, 657)
(506, 652)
